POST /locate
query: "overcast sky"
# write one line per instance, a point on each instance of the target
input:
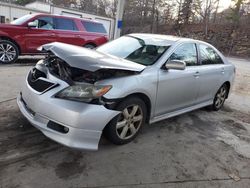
(224, 4)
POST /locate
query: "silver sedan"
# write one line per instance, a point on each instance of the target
(75, 94)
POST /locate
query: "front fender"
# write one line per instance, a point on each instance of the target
(4, 34)
(145, 83)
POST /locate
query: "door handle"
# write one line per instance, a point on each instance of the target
(52, 34)
(222, 71)
(78, 36)
(196, 74)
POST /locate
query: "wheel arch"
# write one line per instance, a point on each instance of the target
(109, 130)
(90, 43)
(227, 83)
(144, 98)
(13, 41)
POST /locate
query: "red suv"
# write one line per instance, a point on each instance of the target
(24, 35)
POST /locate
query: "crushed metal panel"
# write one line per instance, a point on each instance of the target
(90, 60)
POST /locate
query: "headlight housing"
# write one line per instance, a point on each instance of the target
(84, 92)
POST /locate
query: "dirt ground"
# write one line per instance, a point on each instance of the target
(197, 149)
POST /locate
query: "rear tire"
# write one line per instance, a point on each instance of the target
(220, 97)
(8, 52)
(126, 126)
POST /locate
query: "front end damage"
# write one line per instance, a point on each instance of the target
(70, 74)
(63, 100)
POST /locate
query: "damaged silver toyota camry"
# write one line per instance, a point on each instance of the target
(76, 94)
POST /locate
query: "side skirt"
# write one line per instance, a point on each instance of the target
(182, 111)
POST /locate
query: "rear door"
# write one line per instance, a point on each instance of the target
(43, 33)
(67, 31)
(211, 72)
(178, 89)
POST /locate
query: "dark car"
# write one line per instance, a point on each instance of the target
(24, 35)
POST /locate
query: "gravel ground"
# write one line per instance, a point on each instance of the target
(197, 149)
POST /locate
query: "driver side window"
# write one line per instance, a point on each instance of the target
(187, 53)
(44, 23)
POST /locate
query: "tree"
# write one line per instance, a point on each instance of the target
(204, 9)
(101, 7)
(236, 13)
(153, 16)
(87, 6)
(112, 8)
(186, 11)
(64, 3)
(216, 11)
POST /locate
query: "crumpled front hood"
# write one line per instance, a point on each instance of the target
(87, 59)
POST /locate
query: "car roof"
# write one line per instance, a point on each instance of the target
(66, 16)
(168, 39)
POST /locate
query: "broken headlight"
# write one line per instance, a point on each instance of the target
(83, 92)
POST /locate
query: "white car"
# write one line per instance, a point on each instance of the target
(75, 94)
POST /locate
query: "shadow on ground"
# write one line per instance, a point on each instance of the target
(200, 146)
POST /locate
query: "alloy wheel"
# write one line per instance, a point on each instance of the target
(220, 97)
(129, 122)
(7, 52)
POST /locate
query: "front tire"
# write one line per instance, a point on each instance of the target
(90, 46)
(126, 126)
(8, 52)
(220, 97)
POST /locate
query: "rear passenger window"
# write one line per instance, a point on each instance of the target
(187, 53)
(94, 27)
(65, 24)
(209, 56)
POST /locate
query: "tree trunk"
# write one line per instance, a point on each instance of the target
(237, 13)
(216, 11)
(153, 17)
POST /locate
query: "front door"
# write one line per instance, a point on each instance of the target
(43, 33)
(178, 89)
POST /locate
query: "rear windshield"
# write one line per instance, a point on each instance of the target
(94, 27)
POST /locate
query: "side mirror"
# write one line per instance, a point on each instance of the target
(32, 24)
(175, 64)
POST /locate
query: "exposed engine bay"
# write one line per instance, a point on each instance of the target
(62, 70)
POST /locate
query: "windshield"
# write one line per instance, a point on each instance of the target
(135, 49)
(22, 20)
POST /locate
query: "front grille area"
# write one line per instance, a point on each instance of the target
(38, 84)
